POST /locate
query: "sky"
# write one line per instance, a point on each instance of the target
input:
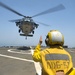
(63, 20)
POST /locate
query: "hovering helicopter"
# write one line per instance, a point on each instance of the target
(27, 25)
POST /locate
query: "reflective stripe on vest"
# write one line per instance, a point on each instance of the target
(57, 61)
(56, 57)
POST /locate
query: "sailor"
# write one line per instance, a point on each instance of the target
(55, 60)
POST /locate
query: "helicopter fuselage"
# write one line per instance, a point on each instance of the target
(26, 24)
(26, 28)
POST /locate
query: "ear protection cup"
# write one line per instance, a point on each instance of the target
(47, 40)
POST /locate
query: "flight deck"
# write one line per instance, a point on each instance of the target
(14, 61)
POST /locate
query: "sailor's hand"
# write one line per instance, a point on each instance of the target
(40, 40)
(60, 73)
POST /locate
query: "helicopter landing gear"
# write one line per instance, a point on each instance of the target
(19, 31)
(33, 32)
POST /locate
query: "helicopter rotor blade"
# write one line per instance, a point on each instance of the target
(54, 9)
(16, 20)
(7, 7)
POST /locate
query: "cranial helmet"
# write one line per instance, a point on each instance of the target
(54, 37)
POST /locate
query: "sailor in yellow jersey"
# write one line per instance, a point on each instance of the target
(55, 60)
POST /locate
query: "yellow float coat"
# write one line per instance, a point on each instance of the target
(53, 60)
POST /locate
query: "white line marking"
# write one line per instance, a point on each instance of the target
(37, 66)
(71, 51)
(16, 58)
(10, 50)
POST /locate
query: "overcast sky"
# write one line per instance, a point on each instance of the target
(63, 20)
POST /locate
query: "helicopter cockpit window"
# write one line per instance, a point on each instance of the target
(27, 19)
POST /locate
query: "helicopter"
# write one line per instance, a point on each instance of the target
(27, 25)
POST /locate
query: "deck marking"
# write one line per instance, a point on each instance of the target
(16, 58)
(72, 51)
(10, 50)
(37, 65)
